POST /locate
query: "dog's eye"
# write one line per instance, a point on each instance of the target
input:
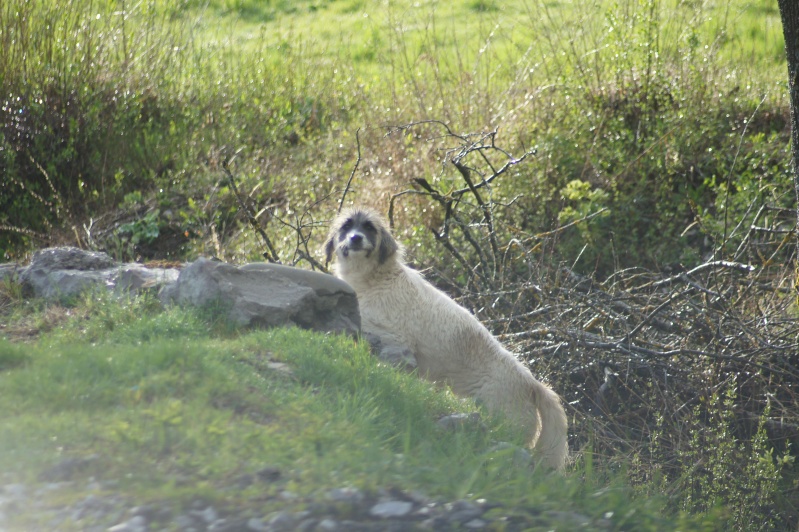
(347, 225)
(368, 226)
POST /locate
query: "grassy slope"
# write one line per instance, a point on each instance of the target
(170, 413)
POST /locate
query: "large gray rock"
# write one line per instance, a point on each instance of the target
(9, 271)
(64, 272)
(253, 295)
(61, 273)
(68, 258)
(268, 295)
(136, 277)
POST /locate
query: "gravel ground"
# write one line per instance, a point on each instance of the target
(342, 509)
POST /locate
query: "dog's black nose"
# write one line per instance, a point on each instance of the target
(356, 239)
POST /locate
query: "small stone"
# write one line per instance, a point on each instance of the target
(268, 474)
(15, 491)
(435, 523)
(138, 520)
(521, 457)
(234, 524)
(53, 486)
(281, 367)
(328, 525)
(282, 520)
(306, 525)
(475, 524)
(287, 495)
(150, 512)
(68, 468)
(222, 525)
(256, 525)
(134, 524)
(184, 522)
(418, 497)
(209, 515)
(389, 509)
(83, 507)
(399, 356)
(347, 495)
(463, 511)
(244, 481)
(424, 511)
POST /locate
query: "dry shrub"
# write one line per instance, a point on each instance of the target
(684, 379)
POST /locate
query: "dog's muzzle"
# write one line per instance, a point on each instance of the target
(355, 241)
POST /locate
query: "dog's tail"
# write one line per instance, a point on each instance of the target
(552, 445)
(513, 389)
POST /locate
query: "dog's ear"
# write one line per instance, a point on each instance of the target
(388, 246)
(330, 247)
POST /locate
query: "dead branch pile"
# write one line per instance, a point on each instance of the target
(677, 373)
(638, 346)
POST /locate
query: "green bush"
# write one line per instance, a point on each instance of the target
(85, 111)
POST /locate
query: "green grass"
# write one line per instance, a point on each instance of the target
(752, 28)
(644, 101)
(171, 413)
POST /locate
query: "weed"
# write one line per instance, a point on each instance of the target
(11, 355)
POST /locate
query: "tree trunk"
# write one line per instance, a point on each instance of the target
(789, 11)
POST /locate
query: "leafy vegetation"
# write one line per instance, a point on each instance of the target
(657, 136)
(656, 106)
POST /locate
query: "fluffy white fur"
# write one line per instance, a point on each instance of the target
(450, 345)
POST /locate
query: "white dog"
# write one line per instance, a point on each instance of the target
(449, 344)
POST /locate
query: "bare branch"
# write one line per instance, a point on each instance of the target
(270, 255)
(354, 169)
(492, 237)
(723, 264)
(572, 223)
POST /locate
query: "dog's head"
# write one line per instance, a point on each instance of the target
(359, 234)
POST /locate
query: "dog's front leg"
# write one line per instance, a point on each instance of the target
(391, 350)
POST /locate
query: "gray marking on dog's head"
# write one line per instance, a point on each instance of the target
(360, 230)
(388, 246)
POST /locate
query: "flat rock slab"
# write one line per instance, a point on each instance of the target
(62, 273)
(252, 295)
(267, 295)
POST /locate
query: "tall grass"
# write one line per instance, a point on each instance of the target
(654, 105)
(85, 88)
(641, 108)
